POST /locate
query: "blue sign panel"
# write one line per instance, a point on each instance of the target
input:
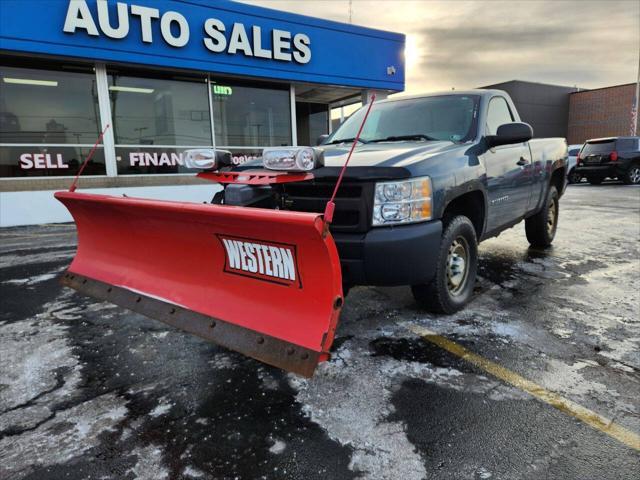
(213, 36)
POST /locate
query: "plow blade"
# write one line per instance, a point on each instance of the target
(265, 283)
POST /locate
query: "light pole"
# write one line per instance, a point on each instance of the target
(636, 99)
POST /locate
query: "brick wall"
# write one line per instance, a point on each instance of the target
(605, 112)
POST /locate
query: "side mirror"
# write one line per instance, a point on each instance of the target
(322, 138)
(510, 133)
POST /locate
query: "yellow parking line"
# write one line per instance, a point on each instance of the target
(583, 414)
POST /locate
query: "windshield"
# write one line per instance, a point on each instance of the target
(444, 117)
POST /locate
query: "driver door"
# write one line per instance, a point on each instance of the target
(508, 170)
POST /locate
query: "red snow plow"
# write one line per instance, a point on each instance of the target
(264, 282)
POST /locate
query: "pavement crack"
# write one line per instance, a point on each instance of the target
(13, 432)
(59, 383)
(63, 407)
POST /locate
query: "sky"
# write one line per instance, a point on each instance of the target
(467, 44)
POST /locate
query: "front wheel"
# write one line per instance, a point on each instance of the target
(452, 287)
(541, 228)
(632, 177)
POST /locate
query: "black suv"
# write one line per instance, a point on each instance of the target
(615, 157)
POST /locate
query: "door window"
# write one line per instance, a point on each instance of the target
(498, 114)
(627, 144)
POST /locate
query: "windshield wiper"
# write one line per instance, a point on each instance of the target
(345, 140)
(396, 138)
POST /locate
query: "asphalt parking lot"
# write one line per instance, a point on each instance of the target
(550, 387)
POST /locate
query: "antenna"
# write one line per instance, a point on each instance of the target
(74, 185)
(331, 206)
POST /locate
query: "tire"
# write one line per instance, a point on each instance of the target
(595, 180)
(541, 228)
(457, 264)
(632, 176)
(574, 177)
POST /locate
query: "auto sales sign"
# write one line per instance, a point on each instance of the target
(221, 36)
(218, 37)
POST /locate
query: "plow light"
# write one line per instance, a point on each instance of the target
(293, 159)
(206, 158)
(407, 201)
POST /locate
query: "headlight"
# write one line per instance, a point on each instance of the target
(293, 159)
(406, 201)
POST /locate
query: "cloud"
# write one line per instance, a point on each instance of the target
(584, 43)
(461, 44)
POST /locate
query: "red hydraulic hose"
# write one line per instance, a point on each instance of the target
(331, 206)
(74, 185)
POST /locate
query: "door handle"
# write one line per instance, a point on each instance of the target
(522, 162)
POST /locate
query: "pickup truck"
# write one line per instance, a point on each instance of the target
(407, 204)
(431, 177)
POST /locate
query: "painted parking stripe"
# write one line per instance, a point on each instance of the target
(583, 414)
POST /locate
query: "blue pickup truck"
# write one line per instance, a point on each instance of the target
(431, 177)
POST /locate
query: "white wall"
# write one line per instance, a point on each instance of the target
(38, 207)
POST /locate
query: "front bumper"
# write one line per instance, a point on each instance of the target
(390, 256)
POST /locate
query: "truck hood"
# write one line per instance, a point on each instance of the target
(385, 154)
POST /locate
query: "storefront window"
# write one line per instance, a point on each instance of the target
(49, 119)
(251, 115)
(155, 120)
(312, 121)
(340, 114)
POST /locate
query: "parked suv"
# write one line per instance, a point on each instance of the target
(614, 157)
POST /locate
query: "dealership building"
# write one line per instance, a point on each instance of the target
(162, 76)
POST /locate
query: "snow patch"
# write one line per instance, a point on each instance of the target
(68, 435)
(162, 408)
(41, 357)
(32, 280)
(278, 447)
(193, 472)
(149, 465)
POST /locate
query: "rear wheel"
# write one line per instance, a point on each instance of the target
(574, 177)
(632, 177)
(595, 180)
(452, 287)
(541, 228)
